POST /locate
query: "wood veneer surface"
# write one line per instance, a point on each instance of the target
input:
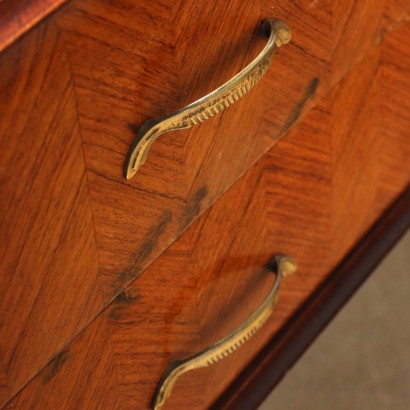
(73, 232)
(18, 16)
(74, 89)
(272, 363)
(312, 196)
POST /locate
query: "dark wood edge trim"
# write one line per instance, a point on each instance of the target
(17, 17)
(270, 365)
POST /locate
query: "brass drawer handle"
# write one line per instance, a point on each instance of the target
(212, 103)
(285, 266)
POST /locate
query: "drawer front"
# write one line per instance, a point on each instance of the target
(311, 196)
(127, 70)
(74, 232)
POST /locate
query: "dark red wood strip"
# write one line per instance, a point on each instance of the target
(17, 17)
(282, 351)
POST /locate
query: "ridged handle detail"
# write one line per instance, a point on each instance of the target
(277, 32)
(285, 265)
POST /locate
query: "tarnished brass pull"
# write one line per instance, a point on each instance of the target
(212, 103)
(285, 265)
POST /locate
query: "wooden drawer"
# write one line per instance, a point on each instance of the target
(311, 196)
(75, 233)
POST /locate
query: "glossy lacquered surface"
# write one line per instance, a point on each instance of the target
(272, 363)
(75, 233)
(17, 17)
(312, 196)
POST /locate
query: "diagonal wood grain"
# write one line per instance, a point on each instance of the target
(333, 167)
(78, 382)
(394, 123)
(76, 87)
(49, 263)
(356, 149)
(17, 17)
(357, 28)
(186, 171)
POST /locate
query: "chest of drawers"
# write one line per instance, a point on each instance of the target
(105, 280)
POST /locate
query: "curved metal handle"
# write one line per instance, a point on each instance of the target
(285, 266)
(212, 103)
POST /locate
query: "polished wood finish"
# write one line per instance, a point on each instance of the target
(186, 171)
(74, 232)
(271, 364)
(49, 264)
(18, 16)
(343, 162)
